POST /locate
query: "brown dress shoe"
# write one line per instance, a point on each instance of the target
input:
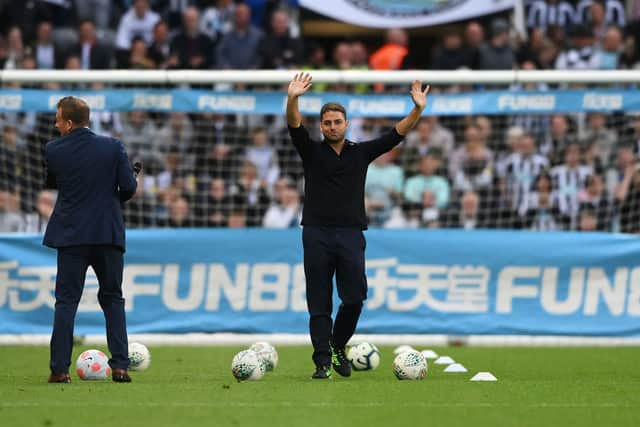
(60, 378)
(120, 375)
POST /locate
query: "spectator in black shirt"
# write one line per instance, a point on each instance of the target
(12, 160)
(529, 51)
(452, 54)
(497, 54)
(47, 54)
(251, 192)
(218, 146)
(628, 200)
(215, 204)
(139, 58)
(467, 213)
(474, 38)
(93, 54)
(191, 49)
(334, 217)
(140, 210)
(160, 48)
(559, 138)
(179, 215)
(595, 200)
(278, 49)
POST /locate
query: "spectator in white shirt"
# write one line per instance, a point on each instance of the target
(216, 21)
(383, 187)
(518, 172)
(542, 212)
(569, 179)
(264, 156)
(36, 222)
(10, 219)
(582, 54)
(408, 215)
(105, 122)
(138, 21)
(286, 212)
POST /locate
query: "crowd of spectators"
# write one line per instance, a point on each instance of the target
(227, 34)
(543, 172)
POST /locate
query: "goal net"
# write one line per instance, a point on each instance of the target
(501, 150)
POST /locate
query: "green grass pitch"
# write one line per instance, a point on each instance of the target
(193, 386)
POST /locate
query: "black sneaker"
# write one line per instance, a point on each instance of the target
(321, 373)
(340, 362)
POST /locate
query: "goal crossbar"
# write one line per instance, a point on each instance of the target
(320, 76)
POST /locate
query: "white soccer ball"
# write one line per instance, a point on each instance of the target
(364, 356)
(410, 365)
(267, 353)
(93, 365)
(246, 365)
(139, 356)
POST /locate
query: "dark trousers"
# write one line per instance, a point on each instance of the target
(73, 261)
(329, 251)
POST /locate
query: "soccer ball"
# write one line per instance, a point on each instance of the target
(410, 365)
(93, 365)
(364, 356)
(139, 357)
(246, 365)
(267, 353)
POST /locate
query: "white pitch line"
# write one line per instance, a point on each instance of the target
(204, 339)
(218, 404)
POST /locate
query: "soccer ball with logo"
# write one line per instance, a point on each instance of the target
(93, 365)
(139, 356)
(364, 356)
(410, 365)
(267, 353)
(246, 365)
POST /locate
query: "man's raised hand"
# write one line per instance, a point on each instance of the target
(299, 85)
(418, 95)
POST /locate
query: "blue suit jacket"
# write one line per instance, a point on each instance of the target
(93, 177)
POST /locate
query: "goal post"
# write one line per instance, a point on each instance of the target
(201, 134)
(148, 77)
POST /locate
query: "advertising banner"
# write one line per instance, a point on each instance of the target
(420, 282)
(200, 101)
(404, 14)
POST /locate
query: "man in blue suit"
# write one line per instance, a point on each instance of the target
(93, 177)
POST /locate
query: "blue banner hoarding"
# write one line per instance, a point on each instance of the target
(426, 281)
(480, 102)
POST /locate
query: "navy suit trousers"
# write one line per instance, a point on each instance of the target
(73, 261)
(330, 251)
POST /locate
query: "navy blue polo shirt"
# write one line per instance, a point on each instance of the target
(334, 183)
